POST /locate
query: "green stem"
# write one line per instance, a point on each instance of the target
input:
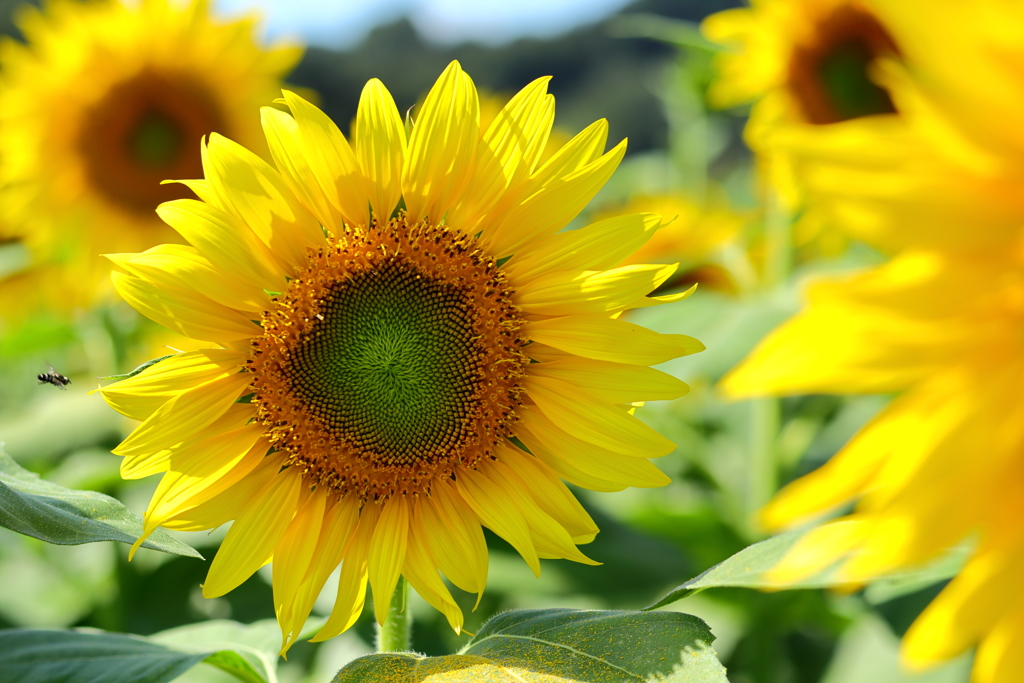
(778, 229)
(396, 633)
(765, 418)
(762, 471)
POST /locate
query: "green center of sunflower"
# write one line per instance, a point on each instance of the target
(393, 359)
(144, 130)
(156, 140)
(391, 364)
(829, 73)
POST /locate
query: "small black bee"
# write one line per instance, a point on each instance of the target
(55, 378)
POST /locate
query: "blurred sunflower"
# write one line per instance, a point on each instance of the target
(943, 462)
(949, 174)
(412, 350)
(810, 67)
(693, 236)
(104, 102)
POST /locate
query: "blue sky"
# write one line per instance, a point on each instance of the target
(342, 23)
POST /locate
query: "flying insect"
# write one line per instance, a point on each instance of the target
(55, 378)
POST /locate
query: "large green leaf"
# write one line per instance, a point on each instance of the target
(34, 656)
(748, 569)
(246, 651)
(560, 645)
(52, 513)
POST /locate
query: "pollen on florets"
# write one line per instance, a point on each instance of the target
(393, 358)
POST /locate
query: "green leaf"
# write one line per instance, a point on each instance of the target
(561, 645)
(747, 569)
(139, 369)
(246, 651)
(36, 656)
(909, 581)
(40, 509)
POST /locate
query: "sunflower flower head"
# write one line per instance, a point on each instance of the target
(811, 69)
(103, 102)
(412, 348)
(814, 54)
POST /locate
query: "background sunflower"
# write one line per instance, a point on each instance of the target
(101, 103)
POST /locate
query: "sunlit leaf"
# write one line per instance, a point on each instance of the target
(560, 645)
(41, 509)
(748, 569)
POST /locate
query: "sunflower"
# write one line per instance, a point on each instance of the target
(695, 234)
(104, 102)
(939, 325)
(412, 349)
(947, 172)
(942, 463)
(810, 68)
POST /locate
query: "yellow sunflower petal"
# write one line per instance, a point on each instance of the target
(226, 505)
(551, 208)
(590, 291)
(286, 146)
(177, 265)
(158, 460)
(442, 147)
(1000, 658)
(293, 555)
(230, 246)
(966, 609)
(199, 473)
(583, 463)
(584, 149)
(612, 382)
(380, 147)
(183, 415)
(137, 397)
(585, 418)
(455, 538)
(499, 510)
(331, 158)
(551, 494)
(253, 535)
(612, 340)
(420, 569)
(339, 522)
(387, 553)
(352, 582)
(506, 153)
(255, 192)
(549, 537)
(186, 312)
(604, 244)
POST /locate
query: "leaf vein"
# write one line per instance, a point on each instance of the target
(565, 647)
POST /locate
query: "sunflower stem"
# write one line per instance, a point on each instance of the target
(765, 413)
(762, 472)
(396, 633)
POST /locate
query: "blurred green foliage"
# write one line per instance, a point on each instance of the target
(648, 78)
